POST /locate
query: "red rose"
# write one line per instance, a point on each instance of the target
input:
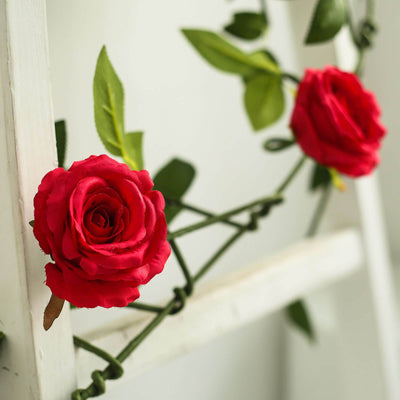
(336, 121)
(105, 230)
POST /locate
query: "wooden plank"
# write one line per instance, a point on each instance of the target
(380, 282)
(228, 303)
(377, 256)
(35, 364)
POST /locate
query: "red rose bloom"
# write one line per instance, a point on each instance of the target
(105, 230)
(336, 121)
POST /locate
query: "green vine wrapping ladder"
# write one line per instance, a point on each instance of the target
(257, 210)
(256, 23)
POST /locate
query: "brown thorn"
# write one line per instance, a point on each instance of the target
(52, 311)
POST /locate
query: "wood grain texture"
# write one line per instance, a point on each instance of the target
(36, 364)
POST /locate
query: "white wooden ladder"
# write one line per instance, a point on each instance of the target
(42, 365)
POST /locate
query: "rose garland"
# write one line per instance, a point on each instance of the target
(104, 223)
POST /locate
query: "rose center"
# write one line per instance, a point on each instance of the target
(101, 218)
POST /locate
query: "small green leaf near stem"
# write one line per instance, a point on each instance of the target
(298, 315)
(328, 18)
(61, 141)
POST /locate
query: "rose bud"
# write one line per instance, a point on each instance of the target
(105, 230)
(336, 121)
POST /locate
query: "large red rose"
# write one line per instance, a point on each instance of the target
(105, 230)
(336, 121)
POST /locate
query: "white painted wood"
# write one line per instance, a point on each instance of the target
(380, 282)
(377, 256)
(34, 364)
(356, 354)
(229, 303)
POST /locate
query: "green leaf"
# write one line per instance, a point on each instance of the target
(223, 55)
(320, 177)
(108, 95)
(247, 25)
(328, 18)
(298, 316)
(61, 141)
(264, 100)
(268, 56)
(173, 180)
(278, 144)
(132, 144)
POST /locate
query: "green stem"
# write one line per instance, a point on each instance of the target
(350, 23)
(295, 79)
(269, 200)
(319, 211)
(107, 373)
(358, 70)
(370, 9)
(200, 211)
(114, 368)
(356, 36)
(218, 254)
(125, 353)
(291, 175)
(145, 307)
(264, 10)
(79, 342)
(184, 267)
(297, 311)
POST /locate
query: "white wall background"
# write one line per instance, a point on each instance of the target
(190, 110)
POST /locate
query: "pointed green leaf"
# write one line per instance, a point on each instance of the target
(278, 144)
(108, 95)
(173, 180)
(320, 177)
(328, 18)
(247, 25)
(298, 316)
(132, 144)
(268, 57)
(223, 55)
(61, 141)
(264, 100)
